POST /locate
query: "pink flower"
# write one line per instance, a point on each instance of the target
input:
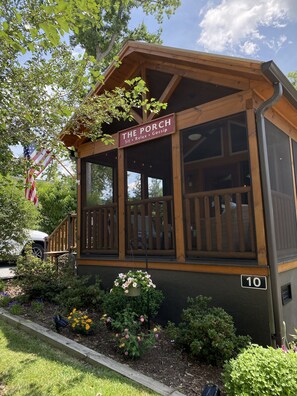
(126, 353)
(127, 336)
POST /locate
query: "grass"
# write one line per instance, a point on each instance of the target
(31, 367)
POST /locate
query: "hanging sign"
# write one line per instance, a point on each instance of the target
(144, 132)
(254, 282)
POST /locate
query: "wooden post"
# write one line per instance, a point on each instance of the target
(178, 198)
(121, 204)
(256, 188)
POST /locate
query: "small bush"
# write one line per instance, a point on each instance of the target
(207, 333)
(4, 299)
(15, 308)
(2, 285)
(132, 338)
(79, 293)
(37, 278)
(37, 306)
(262, 371)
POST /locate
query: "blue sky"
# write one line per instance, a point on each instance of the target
(257, 29)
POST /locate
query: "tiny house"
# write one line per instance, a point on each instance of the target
(203, 194)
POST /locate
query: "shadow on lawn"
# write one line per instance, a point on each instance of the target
(18, 341)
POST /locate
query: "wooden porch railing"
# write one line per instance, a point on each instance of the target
(220, 223)
(63, 238)
(100, 229)
(150, 226)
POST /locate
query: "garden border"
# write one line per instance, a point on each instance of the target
(82, 352)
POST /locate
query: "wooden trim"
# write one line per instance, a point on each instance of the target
(283, 267)
(211, 111)
(225, 269)
(121, 204)
(178, 198)
(256, 188)
(98, 147)
(79, 205)
(208, 76)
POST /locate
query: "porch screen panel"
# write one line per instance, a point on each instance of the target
(99, 206)
(281, 178)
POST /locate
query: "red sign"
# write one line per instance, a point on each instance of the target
(144, 132)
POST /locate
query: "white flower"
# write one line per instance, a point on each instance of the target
(134, 284)
(126, 291)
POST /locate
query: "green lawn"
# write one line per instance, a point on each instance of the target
(29, 366)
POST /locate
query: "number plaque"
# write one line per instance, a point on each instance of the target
(254, 282)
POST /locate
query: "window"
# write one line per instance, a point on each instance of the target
(99, 184)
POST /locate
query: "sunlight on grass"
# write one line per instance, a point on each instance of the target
(29, 366)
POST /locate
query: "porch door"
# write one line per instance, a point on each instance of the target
(149, 199)
(217, 193)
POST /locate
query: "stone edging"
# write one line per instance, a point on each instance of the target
(82, 352)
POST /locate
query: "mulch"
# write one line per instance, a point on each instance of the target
(164, 362)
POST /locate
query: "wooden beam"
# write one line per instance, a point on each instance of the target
(173, 83)
(136, 117)
(256, 189)
(210, 111)
(97, 147)
(208, 76)
(178, 198)
(203, 267)
(121, 204)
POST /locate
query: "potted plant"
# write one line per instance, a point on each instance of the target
(133, 282)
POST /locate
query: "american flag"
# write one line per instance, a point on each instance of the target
(39, 161)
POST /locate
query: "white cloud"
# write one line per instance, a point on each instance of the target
(233, 25)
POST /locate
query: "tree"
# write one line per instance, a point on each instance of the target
(16, 215)
(57, 198)
(104, 39)
(293, 78)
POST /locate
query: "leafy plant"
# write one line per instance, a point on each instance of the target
(4, 299)
(80, 322)
(15, 308)
(261, 371)
(37, 305)
(207, 333)
(2, 285)
(134, 279)
(78, 292)
(132, 339)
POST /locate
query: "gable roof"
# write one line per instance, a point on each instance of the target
(236, 73)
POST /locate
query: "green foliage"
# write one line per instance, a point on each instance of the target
(57, 198)
(37, 278)
(2, 285)
(37, 306)
(261, 371)
(16, 215)
(15, 308)
(131, 337)
(40, 280)
(78, 292)
(207, 333)
(4, 299)
(103, 38)
(293, 78)
(147, 303)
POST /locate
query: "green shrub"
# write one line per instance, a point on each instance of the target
(207, 333)
(132, 338)
(15, 308)
(37, 306)
(37, 278)
(2, 285)
(4, 299)
(147, 303)
(262, 371)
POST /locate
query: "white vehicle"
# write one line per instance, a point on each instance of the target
(34, 237)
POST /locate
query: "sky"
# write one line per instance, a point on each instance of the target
(255, 29)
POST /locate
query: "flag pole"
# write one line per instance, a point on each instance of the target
(73, 176)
